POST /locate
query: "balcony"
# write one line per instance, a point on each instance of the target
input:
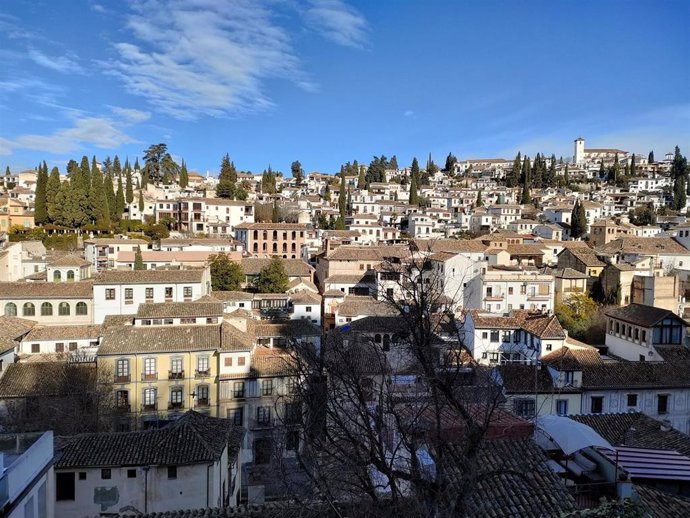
(149, 377)
(124, 408)
(122, 379)
(178, 375)
(175, 406)
(495, 297)
(202, 374)
(149, 408)
(202, 402)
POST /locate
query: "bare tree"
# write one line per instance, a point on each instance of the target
(394, 410)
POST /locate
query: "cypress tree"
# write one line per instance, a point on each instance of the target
(342, 197)
(139, 260)
(551, 177)
(414, 178)
(566, 176)
(616, 168)
(650, 158)
(109, 188)
(117, 168)
(479, 201)
(633, 166)
(526, 197)
(119, 200)
(361, 179)
(100, 212)
(526, 173)
(141, 202)
(136, 164)
(327, 193)
(537, 173)
(51, 193)
(129, 189)
(64, 206)
(184, 175)
(514, 179)
(41, 203)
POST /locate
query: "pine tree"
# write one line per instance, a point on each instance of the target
(513, 179)
(184, 176)
(393, 164)
(41, 203)
(650, 158)
(414, 178)
(141, 202)
(139, 260)
(342, 197)
(52, 190)
(129, 189)
(227, 179)
(119, 200)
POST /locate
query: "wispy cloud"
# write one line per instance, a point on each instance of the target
(65, 64)
(408, 113)
(104, 132)
(192, 58)
(338, 22)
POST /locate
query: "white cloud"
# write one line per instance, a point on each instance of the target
(338, 22)
(130, 114)
(205, 57)
(408, 113)
(64, 64)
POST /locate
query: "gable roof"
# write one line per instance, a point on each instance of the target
(158, 276)
(640, 314)
(179, 309)
(160, 339)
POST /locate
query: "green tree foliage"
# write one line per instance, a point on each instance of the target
(184, 175)
(526, 172)
(679, 174)
(52, 190)
(268, 181)
(643, 215)
(227, 180)
(431, 167)
(100, 212)
(339, 224)
(566, 176)
(376, 172)
(393, 164)
(361, 179)
(141, 202)
(226, 275)
(650, 158)
(41, 203)
(297, 172)
(451, 160)
(273, 277)
(513, 179)
(414, 179)
(578, 221)
(479, 201)
(537, 173)
(577, 315)
(633, 166)
(108, 187)
(139, 260)
(153, 156)
(170, 169)
(156, 231)
(327, 193)
(526, 196)
(626, 508)
(119, 200)
(342, 196)
(550, 177)
(129, 188)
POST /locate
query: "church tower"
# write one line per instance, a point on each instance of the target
(579, 156)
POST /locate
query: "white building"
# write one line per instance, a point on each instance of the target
(119, 292)
(61, 339)
(101, 253)
(502, 289)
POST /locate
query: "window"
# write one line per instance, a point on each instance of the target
(240, 361)
(82, 309)
(494, 336)
(149, 294)
(266, 387)
(59, 347)
(307, 309)
(46, 309)
(562, 406)
(176, 366)
(644, 336)
(569, 377)
(524, 407)
(238, 389)
(10, 309)
(632, 399)
(263, 415)
(202, 394)
(35, 348)
(131, 473)
(70, 276)
(202, 364)
(122, 368)
(597, 404)
(110, 294)
(64, 486)
(176, 398)
(82, 475)
(28, 310)
(510, 290)
(122, 399)
(292, 386)
(57, 276)
(237, 416)
(172, 472)
(187, 292)
(150, 398)
(228, 361)
(106, 474)
(63, 309)
(662, 404)
(129, 295)
(168, 293)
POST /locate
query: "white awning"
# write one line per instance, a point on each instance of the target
(568, 435)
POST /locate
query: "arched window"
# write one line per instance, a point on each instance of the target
(10, 309)
(293, 247)
(64, 309)
(46, 309)
(386, 342)
(82, 309)
(275, 248)
(294, 234)
(284, 247)
(256, 248)
(377, 339)
(70, 275)
(275, 235)
(265, 235)
(28, 310)
(256, 235)
(57, 276)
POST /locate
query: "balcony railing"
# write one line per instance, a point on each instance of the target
(149, 408)
(124, 408)
(175, 375)
(175, 406)
(202, 402)
(125, 378)
(202, 374)
(149, 377)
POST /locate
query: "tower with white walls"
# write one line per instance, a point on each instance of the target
(579, 156)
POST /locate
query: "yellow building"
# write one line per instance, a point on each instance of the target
(14, 213)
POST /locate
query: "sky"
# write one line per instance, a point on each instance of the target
(330, 81)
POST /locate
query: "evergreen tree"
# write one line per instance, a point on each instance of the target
(537, 173)
(414, 178)
(139, 260)
(479, 201)
(633, 166)
(169, 169)
(650, 158)
(119, 200)
(100, 212)
(393, 164)
(226, 275)
(616, 168)
(227, 179)
(273, 278)
(526, 197)
(268, 182)
(327, 193)
(551, 178)
(63, 212)
(136, 164)
(342, 197)
(153, 156)
(602, 172)
(52, 190)
(141, 202)
(578, 221)
(85, 173)
(376, 172)
(297, 172)
(679, 174)
(275, 213)
(451, 160)
(129, 189)
(361, 179)
(117, 168)
(525, 174)
(184, 176)
(109, 188)
(513, 179)
(41, 203)
(566, 176)
(339, 224)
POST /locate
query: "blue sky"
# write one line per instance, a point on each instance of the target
(329, 81)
